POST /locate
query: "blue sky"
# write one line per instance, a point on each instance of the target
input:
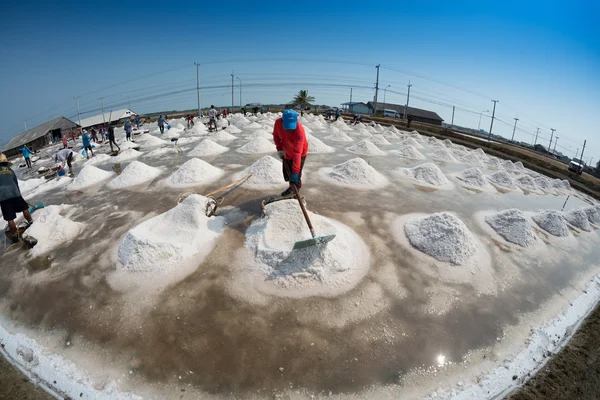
(541, 60)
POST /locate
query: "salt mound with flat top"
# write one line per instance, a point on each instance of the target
(339, 136)
(88, 177)
(315, 146)
(134, 174)
(593, 215)
(324, 270)
(194, 172)
(355, 173)
(167, 241)
(98, 159)
(526, 182)
(379, 140)
(52, 227)
(366, 148)
(443, 236)
(208, 148)
(257, 145)
(126, 155)
(503, 180)
(579, 219)
(553, 222)
(443, 155)
(473, 178)
(266, 174)
(426, 174)
(513, 226)
(409, 152)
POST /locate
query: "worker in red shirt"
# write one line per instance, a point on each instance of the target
(292, 147)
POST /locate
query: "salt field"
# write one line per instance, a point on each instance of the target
(450, 272)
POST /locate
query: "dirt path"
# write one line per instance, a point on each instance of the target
(14, 385)
(574, 373)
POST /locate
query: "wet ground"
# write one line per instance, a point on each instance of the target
(215, 333)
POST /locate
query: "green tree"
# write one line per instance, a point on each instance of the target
(303, 99)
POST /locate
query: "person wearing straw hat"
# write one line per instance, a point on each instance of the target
(11, 201)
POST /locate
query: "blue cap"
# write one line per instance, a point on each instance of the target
(290, 120)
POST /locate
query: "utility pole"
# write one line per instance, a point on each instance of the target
(407, 100)
(492, 123)
(102, 102)
(514, 129)
(384, 93)
(536, 136)
(350, 108)
(238, 78)
(453, 108)
(577, 152)
(198, 88)
(376, 90)
(555, 141)
(551, 136)
(479, 124)
(583, 150)
(78, 117)
(25, 123)
(231, 90)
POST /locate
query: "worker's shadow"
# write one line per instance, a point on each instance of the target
(240, 216)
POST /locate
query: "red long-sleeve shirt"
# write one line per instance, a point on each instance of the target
(293, 143)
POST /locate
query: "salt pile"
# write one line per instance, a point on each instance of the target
(233, 129)
(579, 219)
(493, 163)
(593, 215)
(339, 136)
(98, 159)
(480, 153)
(366, 148)
(443, 236)
(559, 185)
(379, 140)
(443, 155)
(508, 166)
(448, 143)
(165, 242)
(30, 184)
(208, 148)
(126, 155)
(426, 174)
(160, 152)
(513, 226)
(129, 145)
(136, 173)
(187, 140)
(51, 227)
(253, 125)
(471, 158)
(151, 141)
(412, 142)
(266, 173)
(519, 166)
(409, 152)
(553, 222)
(89, 176)
(261, 133)
(354, 173)
(222, 136)
(473, 178)
(194, 172)
(390, 135)
(325, 270)
(526, 182)
(544, 183)
(315, 146)
(503, 180)
(257, 145)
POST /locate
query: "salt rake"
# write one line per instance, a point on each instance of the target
(315, 240)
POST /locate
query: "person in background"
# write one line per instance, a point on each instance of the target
(87, 145)
(161, 124)
(11, 200)
(94, 135)
(225, 113)
(244, 110)
(338, 112)
(212, 115)
(255, 109)
(65, 141)
(355, 119)
(73, 136)
(262, 110)
(101, 131)
(128, 129)
(409, 120)
(111, 138)
(137, 122)
(292, 148)
(26, 154)
(64, 156)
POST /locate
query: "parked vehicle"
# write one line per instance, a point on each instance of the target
(576, 165)
(391, 114)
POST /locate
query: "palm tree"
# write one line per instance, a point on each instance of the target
(303, 99)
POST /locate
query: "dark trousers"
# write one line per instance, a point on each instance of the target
(28, 161)
(69, 160)
(289, 164)
(111, 141)
(162, 128)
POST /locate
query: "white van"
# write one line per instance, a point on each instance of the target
(391, 114)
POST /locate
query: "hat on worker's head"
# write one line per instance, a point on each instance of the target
(3, 159)
(289, 120)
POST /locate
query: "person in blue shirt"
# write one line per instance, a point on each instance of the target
(128, 129)
(161, 124)
(26, 154)
(11, 201)
(87, 145)
(338, 112)
(137, 123)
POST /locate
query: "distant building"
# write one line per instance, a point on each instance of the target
(356, 107)
(40, 136)
(417, 114)
(115, 117)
